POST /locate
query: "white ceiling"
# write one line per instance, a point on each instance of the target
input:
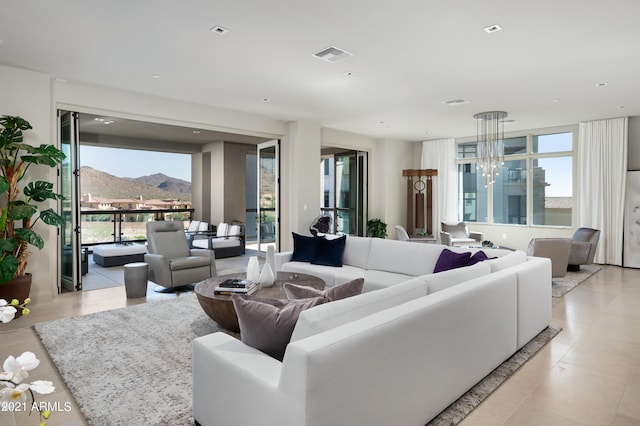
(410, 56)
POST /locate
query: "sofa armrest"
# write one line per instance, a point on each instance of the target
(282, 258)
(236, 384)
(206, 253)
(159, 269)
(478, 236)
(445, 238)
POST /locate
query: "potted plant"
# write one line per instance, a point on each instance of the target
(19, 200)
(376, 228)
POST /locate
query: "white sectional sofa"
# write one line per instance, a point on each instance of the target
(398, 355)
(379, 261)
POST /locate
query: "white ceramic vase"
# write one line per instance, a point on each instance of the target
(253, 269)
(271, 258)
(267, 278)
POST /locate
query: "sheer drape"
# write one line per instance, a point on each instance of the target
(602, 171)
(441, 155)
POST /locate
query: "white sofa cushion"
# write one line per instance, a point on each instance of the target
(356, 251)
(376, 280)
(446, 279)
(402, 257)
(327, 273)
(504, 262)
(329, 315)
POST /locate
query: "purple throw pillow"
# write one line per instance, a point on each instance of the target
(477, 257)
(451, 260)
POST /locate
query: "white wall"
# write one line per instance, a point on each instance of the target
(28, 94)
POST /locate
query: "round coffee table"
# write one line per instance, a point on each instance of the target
(220, 307)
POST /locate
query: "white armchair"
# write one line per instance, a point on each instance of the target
(457, 234)
(171, 263)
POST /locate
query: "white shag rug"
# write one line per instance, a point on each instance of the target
(130, 365)
(133, 365)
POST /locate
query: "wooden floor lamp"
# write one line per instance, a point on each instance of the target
(420, 190)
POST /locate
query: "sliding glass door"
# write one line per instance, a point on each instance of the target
(70, 278)
(345, 191)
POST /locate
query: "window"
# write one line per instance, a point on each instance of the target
(534, 185)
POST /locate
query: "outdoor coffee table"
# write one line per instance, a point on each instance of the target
(220, 307)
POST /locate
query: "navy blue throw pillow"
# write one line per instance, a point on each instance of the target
(451, 260)
(304, 248)
(329, 252)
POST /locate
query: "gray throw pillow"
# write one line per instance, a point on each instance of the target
(341, 291)
(267, 324)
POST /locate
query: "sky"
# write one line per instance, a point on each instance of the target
(135, 163)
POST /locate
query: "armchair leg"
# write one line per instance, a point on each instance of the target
(573, 268)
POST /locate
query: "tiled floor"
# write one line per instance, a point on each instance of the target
(588, 375)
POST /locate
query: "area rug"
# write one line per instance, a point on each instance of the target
(130, 365)
(563, 285)
(133, 365)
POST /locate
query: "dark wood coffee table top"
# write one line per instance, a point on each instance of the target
(220, 307)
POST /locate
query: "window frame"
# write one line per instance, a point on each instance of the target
(529, 156)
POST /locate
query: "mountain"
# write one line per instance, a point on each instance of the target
(166, 183)
(101, 184)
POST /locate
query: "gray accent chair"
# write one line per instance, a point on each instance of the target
(583, 247)
(171, 263)
(457, 234)
(556, 249)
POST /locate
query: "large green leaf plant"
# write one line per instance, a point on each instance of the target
(19, 200)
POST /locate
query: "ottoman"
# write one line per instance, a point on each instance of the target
(118, 254)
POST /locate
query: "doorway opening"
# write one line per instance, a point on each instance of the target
(344, 190)
(184, 148)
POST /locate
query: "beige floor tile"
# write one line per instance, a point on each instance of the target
(630, 404)
(578, 393)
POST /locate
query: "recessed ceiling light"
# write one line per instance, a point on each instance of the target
(493, 28)
(155, 76)
(332, 54)
(196, 132)
(219, 30)
(348, 73)
(604, 83)
(266, 100)
(556, 100)
(622, 107)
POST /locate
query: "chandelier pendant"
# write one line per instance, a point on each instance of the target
(490, 133)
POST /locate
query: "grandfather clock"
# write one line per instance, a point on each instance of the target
(419, 200)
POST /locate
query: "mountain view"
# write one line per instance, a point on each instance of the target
(160, 186)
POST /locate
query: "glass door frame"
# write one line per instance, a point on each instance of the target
(274, 146)
(70, 256)
(358, 179)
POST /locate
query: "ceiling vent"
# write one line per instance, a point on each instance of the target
(493, 28)
(456, 102)
(332, 54)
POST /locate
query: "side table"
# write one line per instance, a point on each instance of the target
(136, 276)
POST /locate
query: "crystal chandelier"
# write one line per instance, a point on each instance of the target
(490, 126)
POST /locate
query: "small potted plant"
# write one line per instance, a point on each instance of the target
(20, 198)
(376, 228)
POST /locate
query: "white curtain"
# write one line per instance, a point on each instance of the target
(602, 171)
(441, 155)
